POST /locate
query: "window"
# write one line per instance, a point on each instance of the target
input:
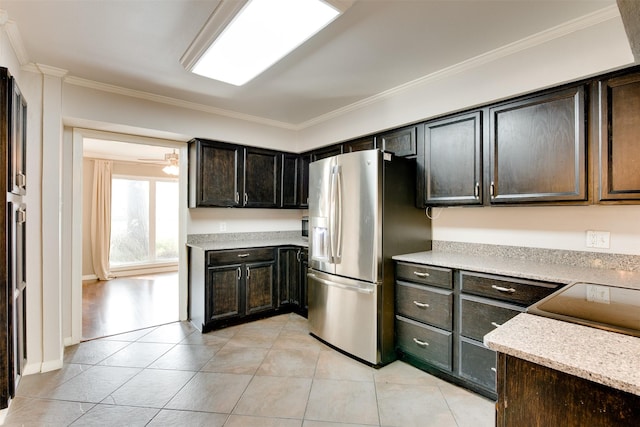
(144, 221)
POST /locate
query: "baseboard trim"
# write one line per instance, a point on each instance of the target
(89, 277)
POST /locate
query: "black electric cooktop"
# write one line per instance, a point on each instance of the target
(606, 307)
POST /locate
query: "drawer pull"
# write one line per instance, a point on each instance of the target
(503, 289)
(243, 255)
(495, 325)
(421, 304)
(419, 274)
(494, 369)
(421, 343)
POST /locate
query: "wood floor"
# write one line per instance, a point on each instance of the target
(128, 303)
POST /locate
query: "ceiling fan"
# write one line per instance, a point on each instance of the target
(171, 162)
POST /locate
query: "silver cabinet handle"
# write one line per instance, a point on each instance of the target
(421, 304)
(243, 255)
(421, 343)
(495, 325)
(476, 190)
(237, 197)
(248, 272)
(503, 289)
(246, 198)
(298, 255)
(492, 189)
(419, 274)
(494, 369)
(21, 180)
(239, 273)
(21, 216)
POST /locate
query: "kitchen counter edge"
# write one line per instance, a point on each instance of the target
(248, 244)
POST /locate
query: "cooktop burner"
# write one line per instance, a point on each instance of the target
(600, 306)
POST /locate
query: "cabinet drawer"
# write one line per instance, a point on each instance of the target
(430, 344)
(428, 275)
(521, 292)
(478, 318)
(239, 256)
(429, 305)
(478, 364)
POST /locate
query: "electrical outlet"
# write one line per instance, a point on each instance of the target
(598, 239)
(223, 226)
(599, 294)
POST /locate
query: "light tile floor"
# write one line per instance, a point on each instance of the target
(269, 373)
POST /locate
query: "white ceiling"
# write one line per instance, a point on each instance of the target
(375, 46)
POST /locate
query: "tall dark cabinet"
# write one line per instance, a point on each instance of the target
(13, 351)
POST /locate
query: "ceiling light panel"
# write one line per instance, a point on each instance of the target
(262, 33)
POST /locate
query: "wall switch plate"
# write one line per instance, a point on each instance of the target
(598, 239)
(599, 294)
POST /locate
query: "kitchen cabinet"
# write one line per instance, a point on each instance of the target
(303, 181)
(619, 127)
(329, 151)
(291, 180)
(452, 161)
(401, 142)
(538, 148)
(230, 175)
(215, 174)
(229, 286)
(303, 254)
(424, 313)
(368, 143)
(442, 315)
(292, 279)
(534, 395)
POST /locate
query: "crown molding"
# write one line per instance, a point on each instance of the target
(15, 40)
(104, 87)
(48, 70)
(566, 28)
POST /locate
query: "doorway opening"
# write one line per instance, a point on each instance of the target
(130, 250)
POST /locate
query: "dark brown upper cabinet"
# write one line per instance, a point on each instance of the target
(538, 149)
(261, 178)
(303, 181)
(361, 144)
(17, 151)
(452, 161)
(323, 153)
(400, 142)
(290, 180)
(215, 174)
(619, 138)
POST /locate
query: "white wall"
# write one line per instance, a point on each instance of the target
(221, 220)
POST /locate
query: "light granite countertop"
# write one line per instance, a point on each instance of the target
(597, 355)
(248, 244)
(525, 269)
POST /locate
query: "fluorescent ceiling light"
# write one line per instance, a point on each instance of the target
(259, 35)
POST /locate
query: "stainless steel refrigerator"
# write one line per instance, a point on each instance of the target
(361, 212)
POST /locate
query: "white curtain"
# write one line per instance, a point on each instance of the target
(101, 218)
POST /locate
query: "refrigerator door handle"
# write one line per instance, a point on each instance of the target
(338, 208)
(332, 215)
(340, 285)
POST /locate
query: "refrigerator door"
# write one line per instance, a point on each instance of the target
(345, 212)
(358, 230)
(344, 314)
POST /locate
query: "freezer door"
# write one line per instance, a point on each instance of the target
(343, 312)
(357, 186)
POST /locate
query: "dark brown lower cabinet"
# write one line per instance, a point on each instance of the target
(229, 287)
(534, 395)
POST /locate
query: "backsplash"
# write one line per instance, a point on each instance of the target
(228, 237)
(546, 256)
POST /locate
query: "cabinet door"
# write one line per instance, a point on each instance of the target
(303, 181)
(361, 144)
(323, 153)
(619, 143)
(259, 285)
(17, 150)
(222, 292)
(538, 149)
(452, 161)
(290, 180)
(215, 174)
(288, 276)
(401, 143)
(304, 294)
(261, 178)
